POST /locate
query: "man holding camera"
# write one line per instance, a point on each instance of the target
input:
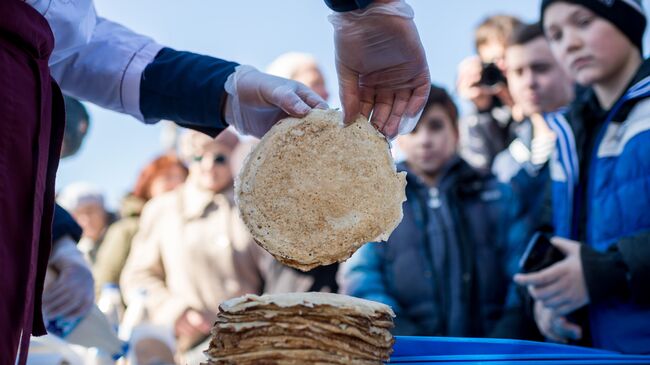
(484, 132)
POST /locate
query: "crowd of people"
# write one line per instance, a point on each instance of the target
(553, 145)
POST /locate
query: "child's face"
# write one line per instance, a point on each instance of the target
(591, 49)
(432, 143)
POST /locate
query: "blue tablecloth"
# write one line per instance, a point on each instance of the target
(451, 350)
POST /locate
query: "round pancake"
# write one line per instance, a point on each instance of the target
(308, 299)
(312, 191)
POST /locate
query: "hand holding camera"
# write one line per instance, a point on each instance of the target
(484, 84)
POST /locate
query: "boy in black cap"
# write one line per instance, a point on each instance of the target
(601, 179)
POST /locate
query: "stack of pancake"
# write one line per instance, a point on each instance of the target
(301, 328)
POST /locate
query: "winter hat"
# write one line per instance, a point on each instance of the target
(626, 15)
(79, 193)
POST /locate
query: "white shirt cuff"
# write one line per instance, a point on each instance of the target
(130, 86)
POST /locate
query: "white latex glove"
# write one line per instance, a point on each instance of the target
(381, 66)
(72, 293)
(256, 100)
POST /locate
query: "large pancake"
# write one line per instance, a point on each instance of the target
(312, 192)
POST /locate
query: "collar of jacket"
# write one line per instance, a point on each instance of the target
(194, 201)
(455, 174)
(588, 105)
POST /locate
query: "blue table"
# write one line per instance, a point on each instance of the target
(452, 350)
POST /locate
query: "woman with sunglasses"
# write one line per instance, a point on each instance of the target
(191, 252)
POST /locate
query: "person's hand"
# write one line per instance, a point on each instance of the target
(381, 66)
(561, 287)
(502, 92)
(256, 100)
(555, 327)
(72, 293)
(193, 324)
(541, 128)
(467, 84)
(469, 74)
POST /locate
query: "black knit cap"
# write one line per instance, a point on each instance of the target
(626, 15)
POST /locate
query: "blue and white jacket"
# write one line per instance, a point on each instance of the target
(616, 255)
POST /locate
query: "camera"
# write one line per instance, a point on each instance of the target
(491, 75)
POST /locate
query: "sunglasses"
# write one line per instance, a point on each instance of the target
(218, 159)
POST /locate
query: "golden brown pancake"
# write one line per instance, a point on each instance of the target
(312, 192)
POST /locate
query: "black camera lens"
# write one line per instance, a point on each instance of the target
(491, 75)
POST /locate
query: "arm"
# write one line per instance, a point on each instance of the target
(586, 276)
(187, 88)
(144, 270)
(130, 73)
(621, 271)
(362, 276)
(107, 70)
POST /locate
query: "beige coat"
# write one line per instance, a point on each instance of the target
(192, 251)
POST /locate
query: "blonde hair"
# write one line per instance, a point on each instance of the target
(496, 28)
(287, 64)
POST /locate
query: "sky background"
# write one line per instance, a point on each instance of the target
(255, 32)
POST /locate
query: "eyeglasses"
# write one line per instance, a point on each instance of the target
(218, 159)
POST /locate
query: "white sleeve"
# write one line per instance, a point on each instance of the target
(107, 69)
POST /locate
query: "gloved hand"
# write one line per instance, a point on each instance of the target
(256, 100)
(381, 66)
(71, 294)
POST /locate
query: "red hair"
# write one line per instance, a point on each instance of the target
(154, 169)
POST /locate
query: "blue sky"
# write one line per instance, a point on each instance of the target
(254, 32)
